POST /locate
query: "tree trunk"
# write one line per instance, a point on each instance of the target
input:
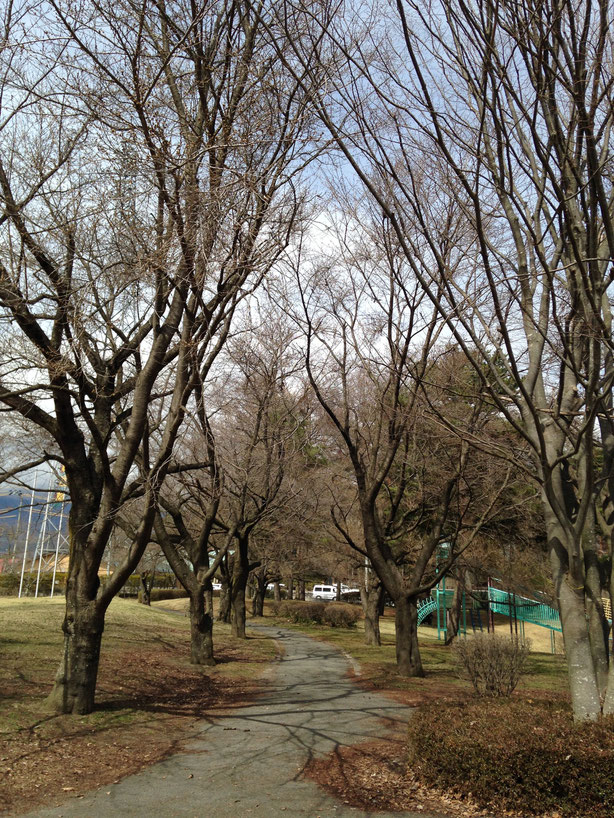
(145, 591)
(75, 682)
(240, 575)
(258, 601)
(238, 613)
(409, 662)
(301, 589)
(74, 687)
(276, 592)
(372, 599)
(209, 599)
(223, 614)
(583, 686)
(455, 613)
(201, 631)
(598, 625)
(569, 584)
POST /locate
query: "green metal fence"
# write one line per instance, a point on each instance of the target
(524, 609)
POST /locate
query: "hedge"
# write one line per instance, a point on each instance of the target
(523, 755)
(160, 594)
(9, 583)
(332, 614)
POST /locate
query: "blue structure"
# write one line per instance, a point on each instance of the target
(519, 608)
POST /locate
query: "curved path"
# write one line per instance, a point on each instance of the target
(250, 761)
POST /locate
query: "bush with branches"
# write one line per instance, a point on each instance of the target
(493, 664)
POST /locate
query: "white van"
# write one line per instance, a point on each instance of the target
(325, 592)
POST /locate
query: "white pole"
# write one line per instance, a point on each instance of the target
(17, 531)
(42, 540)
(25, 548)
(57, 549)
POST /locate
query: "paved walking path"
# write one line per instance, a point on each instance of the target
(249, 762)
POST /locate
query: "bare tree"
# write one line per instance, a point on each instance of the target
(133, 216)
(509, 107)
(347, 535)
(258, 443)
(370, 335)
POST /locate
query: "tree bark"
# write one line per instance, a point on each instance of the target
(598, 625)
(455, 612)
(201, 631)
(582, 680)
(240, 575)
(372, 599)
(583, 683)
(409, 662)
(260, 584)
(301, 589)
(146, 586)
(75, 682)
(238, 613)
(276, 592)
(258, 601)
(223, 614)
(209, 599)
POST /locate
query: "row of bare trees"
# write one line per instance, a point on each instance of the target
(441, 343)
(481, 132)
(148, 184)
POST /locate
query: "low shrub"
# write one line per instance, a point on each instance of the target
(159, 594)
(9, 583)
(492, 663)
(300, 612)
(332, 614)
(340, 615)
(522, 755)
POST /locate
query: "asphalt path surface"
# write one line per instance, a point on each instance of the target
(250, 761)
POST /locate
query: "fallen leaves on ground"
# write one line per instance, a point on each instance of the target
(146, 702)
(374, 777)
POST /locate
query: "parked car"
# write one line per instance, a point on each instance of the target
(329, 592)
(325, 592)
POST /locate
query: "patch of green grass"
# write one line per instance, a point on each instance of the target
(544, 672)
(31, 641)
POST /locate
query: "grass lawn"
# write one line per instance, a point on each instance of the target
(148, 695)
(545, 673)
